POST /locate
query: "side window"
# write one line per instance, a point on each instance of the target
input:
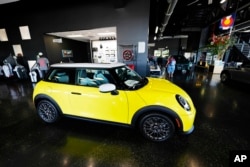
(92, 77)
(101, 76)
(85, 77)
(61, 76)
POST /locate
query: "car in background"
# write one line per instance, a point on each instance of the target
(114, 93)
(240, 73)
(183, 65)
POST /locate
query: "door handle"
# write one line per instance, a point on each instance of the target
(75, 93)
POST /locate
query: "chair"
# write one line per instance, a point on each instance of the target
(84, 80)
(100, 77)
(62, 78)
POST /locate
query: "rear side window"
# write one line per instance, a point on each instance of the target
(61, 75)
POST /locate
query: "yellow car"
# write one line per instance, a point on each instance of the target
(114, 93)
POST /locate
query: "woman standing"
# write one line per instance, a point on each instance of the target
(171, 66)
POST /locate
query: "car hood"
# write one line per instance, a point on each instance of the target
(162, 92)
(157, 85)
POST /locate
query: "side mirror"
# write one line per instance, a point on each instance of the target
(105, 88)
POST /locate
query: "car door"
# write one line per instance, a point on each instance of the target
(245, 73)
(241, 74)
(88, 102)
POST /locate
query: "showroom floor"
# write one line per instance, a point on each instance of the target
(221, 126)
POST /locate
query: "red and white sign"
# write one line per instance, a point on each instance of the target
(127, 55)
(227, 22)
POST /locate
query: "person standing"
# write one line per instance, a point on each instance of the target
(43, 63)
(171, 66)
(160, 62)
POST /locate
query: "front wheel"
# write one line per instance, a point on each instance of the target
(156, 127)
(47, 111)
(224, 77)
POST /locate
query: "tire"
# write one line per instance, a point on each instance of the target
(224, 77)
(156, 127)
(47, 111)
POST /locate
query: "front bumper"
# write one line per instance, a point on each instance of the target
(189, 131)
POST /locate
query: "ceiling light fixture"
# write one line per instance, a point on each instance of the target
(106, 33)
(75, 36)
(222, 1)
(175, 37)
(192, 3)
(156, 29)
(7, 1)
(210, 2)
(246, 31)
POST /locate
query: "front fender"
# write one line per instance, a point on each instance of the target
(157, 109)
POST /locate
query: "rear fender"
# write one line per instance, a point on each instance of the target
(46, 97)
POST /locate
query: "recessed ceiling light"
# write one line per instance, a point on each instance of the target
(106, 33)
(75, 36)
(7, 1)
(223, 1)
(156, 29)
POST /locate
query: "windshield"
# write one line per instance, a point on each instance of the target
(130, 78)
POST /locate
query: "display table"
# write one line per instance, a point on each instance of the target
(155, 72)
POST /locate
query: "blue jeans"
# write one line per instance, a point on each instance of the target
(170, 69)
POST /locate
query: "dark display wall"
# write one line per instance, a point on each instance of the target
(80, 50)
(131, 20)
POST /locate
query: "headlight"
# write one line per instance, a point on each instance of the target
(183, 102)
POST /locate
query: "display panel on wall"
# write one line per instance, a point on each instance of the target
(67, 53)
(161, 52)
(104, 51)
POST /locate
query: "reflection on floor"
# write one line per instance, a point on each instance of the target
(221, 126)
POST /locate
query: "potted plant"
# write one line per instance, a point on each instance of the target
(219, 44)
(217, 47)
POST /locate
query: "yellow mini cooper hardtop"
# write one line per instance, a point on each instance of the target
(114, 93)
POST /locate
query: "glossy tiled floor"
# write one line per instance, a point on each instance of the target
(222, 125)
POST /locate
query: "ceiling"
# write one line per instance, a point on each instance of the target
(106, 33)
(173, 17)
(180, 17)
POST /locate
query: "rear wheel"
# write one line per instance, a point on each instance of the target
(156, 127)
(47, 111)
